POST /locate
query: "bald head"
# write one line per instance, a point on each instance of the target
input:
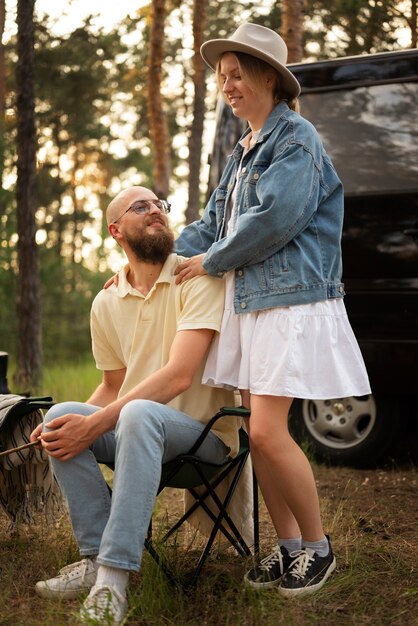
(124, 199)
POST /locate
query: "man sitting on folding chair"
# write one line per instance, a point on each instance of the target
(150, 338)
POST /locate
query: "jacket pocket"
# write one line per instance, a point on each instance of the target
(270, 273)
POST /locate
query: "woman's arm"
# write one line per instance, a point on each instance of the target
(288, 195)
(198, 236)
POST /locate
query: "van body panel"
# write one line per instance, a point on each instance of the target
(366, 111)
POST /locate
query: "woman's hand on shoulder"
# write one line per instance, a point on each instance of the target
(113, 280)
(190, 268)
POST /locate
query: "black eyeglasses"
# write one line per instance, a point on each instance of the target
(140, 207)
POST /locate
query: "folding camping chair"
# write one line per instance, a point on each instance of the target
(201, 480)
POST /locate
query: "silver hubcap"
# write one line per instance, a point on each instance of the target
(340, 423)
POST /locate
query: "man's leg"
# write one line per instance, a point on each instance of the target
(88, 501)
(82, 482)
(147, 435)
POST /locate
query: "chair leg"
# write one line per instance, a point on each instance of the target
(200, 498)
(239, 543)
(161, 562)
(222, 522)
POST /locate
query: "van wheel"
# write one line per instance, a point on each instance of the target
(355, 431)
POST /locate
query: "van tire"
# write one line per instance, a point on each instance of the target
(353, 431)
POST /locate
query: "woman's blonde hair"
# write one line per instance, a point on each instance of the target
(254, 71)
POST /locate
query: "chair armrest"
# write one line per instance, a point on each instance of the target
(235, 411)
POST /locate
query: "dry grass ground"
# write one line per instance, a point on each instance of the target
(371, 516)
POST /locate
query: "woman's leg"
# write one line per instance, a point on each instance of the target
(283, 519)
(283, 471)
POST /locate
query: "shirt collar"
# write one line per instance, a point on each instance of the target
(166, 276)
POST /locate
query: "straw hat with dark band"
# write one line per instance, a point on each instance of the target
(259, 42)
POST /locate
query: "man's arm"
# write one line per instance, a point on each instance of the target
(108, 389)
(71, 434)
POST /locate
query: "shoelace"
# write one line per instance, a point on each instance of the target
(75, 569)
(301, 562)
(102, 599)
(103, 602)
(270, 561)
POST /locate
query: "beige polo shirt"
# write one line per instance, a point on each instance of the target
(133, 331)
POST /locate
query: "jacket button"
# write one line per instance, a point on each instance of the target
(240, 272)
(244, 169)
(220, 274)
(243, 305)
(256, 176)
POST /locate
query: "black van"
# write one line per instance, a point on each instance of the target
(366, 111)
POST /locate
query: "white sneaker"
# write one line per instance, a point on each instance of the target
(105, 606)
(70, 582)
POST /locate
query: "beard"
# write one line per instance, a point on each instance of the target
(151, 248)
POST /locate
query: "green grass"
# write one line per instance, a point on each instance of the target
(370, 516)
(373, 586)
(72, 382)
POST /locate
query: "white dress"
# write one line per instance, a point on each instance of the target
(301, 351)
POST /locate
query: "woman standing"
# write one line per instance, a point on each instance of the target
(272, 230)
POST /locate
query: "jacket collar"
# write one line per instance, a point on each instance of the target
(269, 125)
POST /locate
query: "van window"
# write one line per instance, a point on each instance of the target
(371, 134)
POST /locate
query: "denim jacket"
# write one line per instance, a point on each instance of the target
(286, 248)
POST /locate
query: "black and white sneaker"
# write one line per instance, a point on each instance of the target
(307, 573)
(270, 571)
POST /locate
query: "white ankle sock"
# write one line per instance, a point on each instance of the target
(291, 544)
(321, 547)
(114, 577)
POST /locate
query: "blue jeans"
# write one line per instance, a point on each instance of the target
(147, 434)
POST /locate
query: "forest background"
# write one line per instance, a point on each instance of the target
(87, 112)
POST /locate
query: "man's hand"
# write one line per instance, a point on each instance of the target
(190, 268)
(36, 435)
(67, 436)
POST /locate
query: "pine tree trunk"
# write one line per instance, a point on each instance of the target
(2, 97)
(196, 131)
(29, 366)
(159, 133)
(293, 12)
(414, 24)
(228, 130)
